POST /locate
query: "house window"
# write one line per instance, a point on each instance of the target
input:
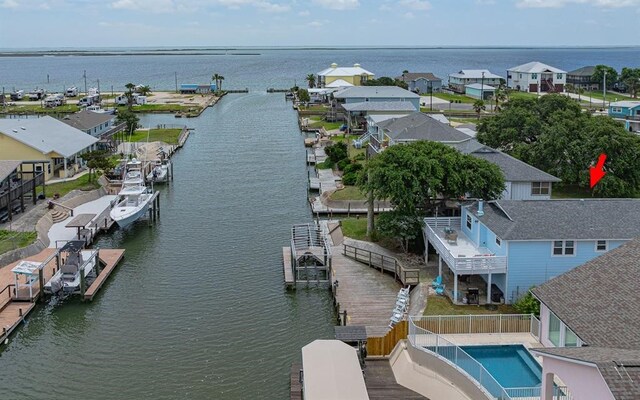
(520, 76)
(38, 168)
(534, 76)
(616, 110)
(558, 76)
(570, 338)
(498, 241)
(563, 248)
(601, 245)
(554, 329)
(468, 222)
(540, 188)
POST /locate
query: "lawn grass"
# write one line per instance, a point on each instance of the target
(455, 97)
(348, 193)
(81, 183)
(161, 108)
(10, 240)
(169, 136)
(464, 120)
(327, 125)
(513, 94)
(610, 96)
(441, 305)
(355, 228)
(36, 108)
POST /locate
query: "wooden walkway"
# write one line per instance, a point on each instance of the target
(287, 267)
(111, 258)
(367, 295)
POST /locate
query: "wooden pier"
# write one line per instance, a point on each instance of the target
(288, 268)
(110, 258)
(366, 295)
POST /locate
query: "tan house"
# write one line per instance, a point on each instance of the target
(335, 76)
(44, 144)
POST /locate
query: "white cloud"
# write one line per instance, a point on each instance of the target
(169, 6)
(304, 13)
(338, 4)
(419, 5)
(26, 4)
(9, 4)
(318, 24)
(272, 7)
(562, 3)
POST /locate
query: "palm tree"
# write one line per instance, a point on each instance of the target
(478, 107)
(216, 79)
(500, 96)
(129, 93)
(144, 90)
(312, 80)
(220, 79)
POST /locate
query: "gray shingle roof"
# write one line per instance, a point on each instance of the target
(620, 368)
(380, 106)
(514, 170)
(599, 299)
(420, 126)
(85, 120)
(562, 219)
(47, 134)
(376, 92)
(412, 76)
(7, 167)
(584, 71)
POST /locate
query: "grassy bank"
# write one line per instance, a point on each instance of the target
(348, 193)
(317, 122)
(162, 108)
(10, 240)
(81, 183)
(355, 228)
(169, 136)
(455, 97)
(36, 108)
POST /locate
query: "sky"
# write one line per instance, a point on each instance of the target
(156, 23)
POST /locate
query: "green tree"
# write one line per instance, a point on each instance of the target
(144, 90)
(400, 226)
(130, 118)
(337, 151)
(631, 78)
(598, 75)
(216, 79)
(97, 160)
(303, 95)
(219, 85)
(478, 107)
(569, 88)
(528, 304)
(129, 94)
(417, 175)
(311, 80)
(500, 96)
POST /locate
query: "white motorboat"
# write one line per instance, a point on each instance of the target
(135, 199)
(74, 260)
(160, 172)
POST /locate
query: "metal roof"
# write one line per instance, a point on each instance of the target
(334, 70)
(536, 67)
(380, 106)
(26, 268)
(572, 219)
(475, 74)
(47, 134)
(338, 83)
(625, 103)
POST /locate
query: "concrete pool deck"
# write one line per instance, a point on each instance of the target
(525, 339)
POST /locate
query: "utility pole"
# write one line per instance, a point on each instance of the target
(98, 85)
(176, 75)
(84, 75)
(482, 87)
(604, 90)
(430, 95)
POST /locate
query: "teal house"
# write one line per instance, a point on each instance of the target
(628, 112)
(479, 91)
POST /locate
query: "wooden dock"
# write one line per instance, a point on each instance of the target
(286, 266)
(296, 386)
(367, 295)
(110, 258)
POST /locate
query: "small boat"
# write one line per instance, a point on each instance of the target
(160, 172)
(75, 259)
(135, 199)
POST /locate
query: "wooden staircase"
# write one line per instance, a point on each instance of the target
(59, 215)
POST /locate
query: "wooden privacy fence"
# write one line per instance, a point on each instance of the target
(407, 276)
(382, 346)
(460, 324)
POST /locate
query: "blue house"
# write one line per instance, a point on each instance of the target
(500, 249)
(627, 112)
(193, 88)
(421, 82)
(361, 94)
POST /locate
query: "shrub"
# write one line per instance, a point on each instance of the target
(337, 151)
(352, 168)
(349, 178)
(528, 304)
(344, 163)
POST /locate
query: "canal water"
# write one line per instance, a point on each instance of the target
(197, 310)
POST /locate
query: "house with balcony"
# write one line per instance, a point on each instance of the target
(343, 76)
(421, 82)
(90, 122)
(44, 145)
(536, 77)
(462, 78)
(522, 181)
(502, 248)
(590, 324)
(628, 112)
(582, 78)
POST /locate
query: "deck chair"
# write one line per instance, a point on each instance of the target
(440, 290)
(436, 283)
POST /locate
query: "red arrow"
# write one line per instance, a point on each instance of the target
(597, 172)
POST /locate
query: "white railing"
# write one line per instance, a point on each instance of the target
(434, 344)
(535, 393)
(535, 327)
(461, 265)
(465, 324)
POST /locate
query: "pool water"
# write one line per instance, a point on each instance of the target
(511, 365)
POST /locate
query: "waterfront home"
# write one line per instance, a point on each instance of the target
(194, 88)
(357, 114)
(462, 78)
(590, 322)
(362, 94)
(90, 122)
(582, 78)
(480, 91)
(628, 112)
(44, 145)
(536, 77)
(354, 76)
(15, 186)
(421, 82)
(503, 248)
(522, 181)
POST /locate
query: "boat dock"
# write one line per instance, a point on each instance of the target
(15, 306)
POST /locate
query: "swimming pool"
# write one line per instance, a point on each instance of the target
(511, 365)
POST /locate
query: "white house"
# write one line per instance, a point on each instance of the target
(460, 79)
(536, 77)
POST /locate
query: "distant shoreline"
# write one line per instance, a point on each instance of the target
(113, 54)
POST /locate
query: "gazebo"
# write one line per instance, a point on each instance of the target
(31, 272)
